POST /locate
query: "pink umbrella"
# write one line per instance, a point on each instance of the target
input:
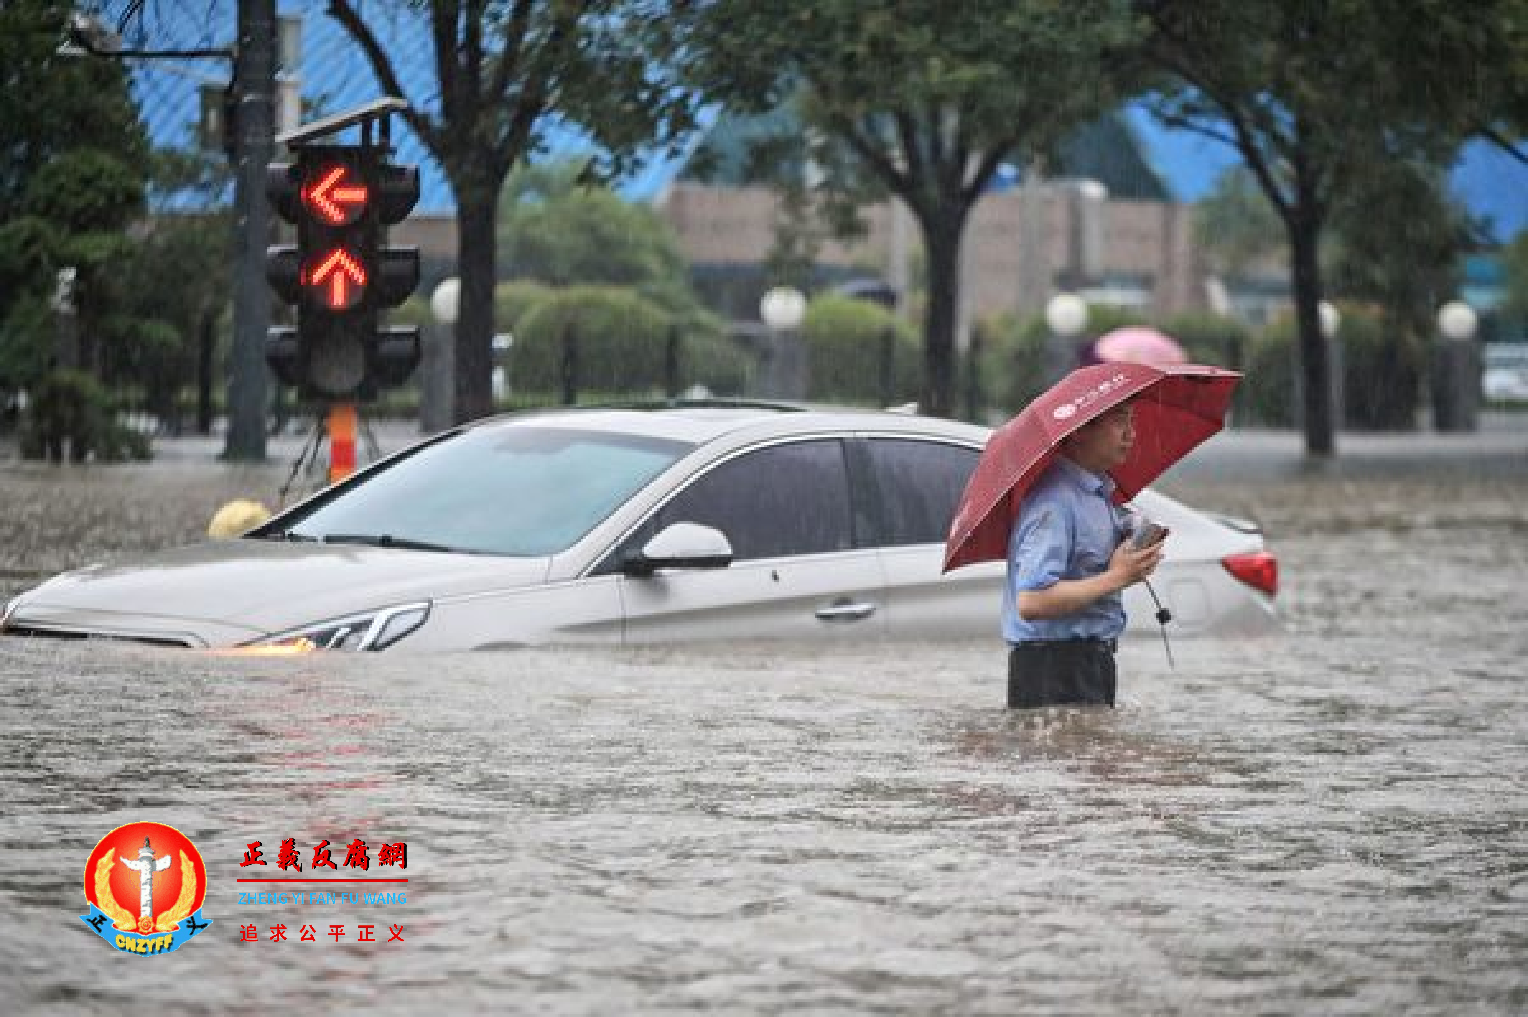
(1138, 345)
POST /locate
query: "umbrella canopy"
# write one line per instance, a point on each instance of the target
(1176, 408)
(1136, 345)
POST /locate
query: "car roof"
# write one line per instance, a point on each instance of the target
(702, 422)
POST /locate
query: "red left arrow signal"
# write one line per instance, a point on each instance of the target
(336, 200)
(342, 276)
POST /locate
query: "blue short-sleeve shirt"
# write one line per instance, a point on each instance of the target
(1067, 528)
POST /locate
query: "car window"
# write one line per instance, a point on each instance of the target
(521, 490)
(920, 483)
(775, 501)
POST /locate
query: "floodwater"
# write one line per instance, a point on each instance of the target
(1333, 819)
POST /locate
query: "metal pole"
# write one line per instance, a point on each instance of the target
(255, 74)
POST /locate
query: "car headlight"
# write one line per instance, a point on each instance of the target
(373, 630)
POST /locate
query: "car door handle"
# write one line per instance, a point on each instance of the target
(845, 610)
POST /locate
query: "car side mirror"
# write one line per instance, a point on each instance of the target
(681, 546)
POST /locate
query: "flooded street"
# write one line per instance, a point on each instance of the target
(1333, 819)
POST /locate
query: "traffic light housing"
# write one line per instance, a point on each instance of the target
(340, 275)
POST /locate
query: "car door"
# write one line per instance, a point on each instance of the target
(796, 572)
(917, 483)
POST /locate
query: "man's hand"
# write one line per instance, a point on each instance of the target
(1129, 565)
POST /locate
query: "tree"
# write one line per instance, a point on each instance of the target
(1515, 262)
(929, 98)
(73, 161)
(1235, 225)
(504, 68)
(1319, 96)
(560, 231)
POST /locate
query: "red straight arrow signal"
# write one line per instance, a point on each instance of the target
(335, 202)
(345, 277)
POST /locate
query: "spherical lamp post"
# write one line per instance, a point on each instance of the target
(437, 381)
(1331, 328)
(1066, 316)
(783, 309)
(1456, 382)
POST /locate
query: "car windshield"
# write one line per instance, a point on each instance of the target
(520, 490)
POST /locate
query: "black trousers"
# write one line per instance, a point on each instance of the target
(1073, 672)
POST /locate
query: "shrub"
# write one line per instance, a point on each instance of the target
(514, 299)
(1210, 338)
(70, 406)
(1011, 362)
(1267, 393)
(1383, 373)
(844, 338)
(621, 346)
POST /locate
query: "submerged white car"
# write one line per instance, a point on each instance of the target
(631, 526)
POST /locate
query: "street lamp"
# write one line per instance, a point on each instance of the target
(783, 309)
(1456, 384)
(1066, 316)
(1330, 321)
(437, 382)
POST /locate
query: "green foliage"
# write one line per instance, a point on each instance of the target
(1515, 260)
(505, 77)
(620, 340)
(845, 340)
(172, 289)
(71, 181)
(1327, 103)
(926, 97)
(1210, 338)
(1266, 395)
(1012, 361)
(1236, 226)
(556, 230)
(1383, 372)
(513, 300)
(71, 408)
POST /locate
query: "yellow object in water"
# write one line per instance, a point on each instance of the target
(237, 517)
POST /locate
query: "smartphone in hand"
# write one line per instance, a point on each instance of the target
(1147, 534)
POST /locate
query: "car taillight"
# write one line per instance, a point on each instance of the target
(1258, 569)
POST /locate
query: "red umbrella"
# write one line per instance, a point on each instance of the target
(1176, 408)
(1138, 345)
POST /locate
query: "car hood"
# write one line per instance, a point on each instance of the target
(232, 591)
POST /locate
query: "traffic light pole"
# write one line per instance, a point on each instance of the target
(255, 73)
(342, 425)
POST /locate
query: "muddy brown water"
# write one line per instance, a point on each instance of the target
(1333, 819)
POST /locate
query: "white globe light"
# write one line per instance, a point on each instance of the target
(446, 300)
(1066, 314)
(783, 308)
(1331, 319)
(1457, 321)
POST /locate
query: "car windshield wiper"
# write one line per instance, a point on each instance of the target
(291, 535)
(383, 540)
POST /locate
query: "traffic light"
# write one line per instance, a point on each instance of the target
(339, 275)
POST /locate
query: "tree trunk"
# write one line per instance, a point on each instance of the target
(1316, 372)
(476, 206)
(941, 238)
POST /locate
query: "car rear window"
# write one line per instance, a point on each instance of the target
(522, 490)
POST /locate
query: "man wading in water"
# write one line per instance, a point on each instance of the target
(1068, 561)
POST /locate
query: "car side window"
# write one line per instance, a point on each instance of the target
(920, 483)
(781, 500)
